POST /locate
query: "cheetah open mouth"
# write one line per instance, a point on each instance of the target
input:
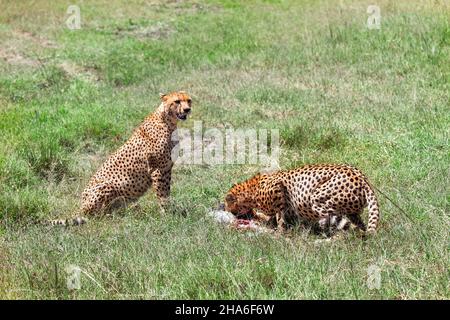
(182, 116)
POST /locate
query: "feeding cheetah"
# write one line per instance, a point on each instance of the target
(317, 192)
(144, 160)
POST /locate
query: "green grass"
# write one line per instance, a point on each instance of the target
(338, 92)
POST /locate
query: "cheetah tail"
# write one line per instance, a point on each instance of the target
(374, 211)
(67, 222)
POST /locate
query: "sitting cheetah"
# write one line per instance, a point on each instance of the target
(144, 160)
(322, 193)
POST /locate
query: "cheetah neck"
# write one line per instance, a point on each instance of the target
(248, 190)
(163, 113)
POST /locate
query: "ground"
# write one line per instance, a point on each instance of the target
(336, 90)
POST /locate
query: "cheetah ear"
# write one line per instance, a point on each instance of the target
(162, 96)
(230, 198)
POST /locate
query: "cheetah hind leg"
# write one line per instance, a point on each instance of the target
(333, 224)
(357, 221)
(332, 227)
(328, 224)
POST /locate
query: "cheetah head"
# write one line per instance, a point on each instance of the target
(241, 198)
(177, 104)
(238, 206)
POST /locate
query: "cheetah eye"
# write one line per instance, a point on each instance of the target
(177, 101)
(189, 101)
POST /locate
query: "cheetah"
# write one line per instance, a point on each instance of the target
(320, 193)
(143, 161)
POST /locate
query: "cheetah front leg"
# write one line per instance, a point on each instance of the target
(161, 179)
(279, 205)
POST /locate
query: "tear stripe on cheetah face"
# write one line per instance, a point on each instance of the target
(143, 161)
(315, 192)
